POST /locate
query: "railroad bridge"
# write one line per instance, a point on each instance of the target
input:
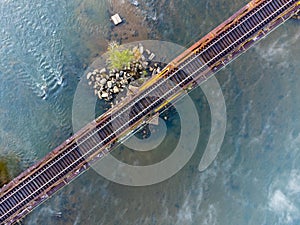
(194, 66)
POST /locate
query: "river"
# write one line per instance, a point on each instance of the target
(46, 46)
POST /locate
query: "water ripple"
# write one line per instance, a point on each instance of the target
(34, 43)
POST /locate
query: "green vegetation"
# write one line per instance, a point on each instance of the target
(117, 58)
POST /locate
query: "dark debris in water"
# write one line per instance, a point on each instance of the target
(9, 168)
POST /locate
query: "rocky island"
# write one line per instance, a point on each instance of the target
(125, 70)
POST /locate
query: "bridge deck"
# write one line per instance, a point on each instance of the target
(94, 141)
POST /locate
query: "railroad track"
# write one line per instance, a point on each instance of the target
(194, 66)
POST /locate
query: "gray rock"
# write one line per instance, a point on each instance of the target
(102, 71)
(104, 95)
(154, 72)
(135, 3)
(116, 90)
(100, 94)
(103, 81)
(109, 84)
(88, 76)
(145, 64)
(141, 48)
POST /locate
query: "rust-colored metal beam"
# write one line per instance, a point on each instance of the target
(214, 51)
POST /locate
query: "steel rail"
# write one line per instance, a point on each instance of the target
(163, 97)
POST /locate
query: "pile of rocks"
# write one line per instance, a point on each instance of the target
(108, 83)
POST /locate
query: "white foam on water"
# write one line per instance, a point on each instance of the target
(280, 204)
(278, 49)
(184, 216)
(211, 216)
(274, 50)
(294, 182)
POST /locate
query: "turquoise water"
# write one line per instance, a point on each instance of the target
(45, 48)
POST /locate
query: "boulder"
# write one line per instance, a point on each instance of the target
(88, 76)
(148, 51)
(102, 71)
(141, 48)
(145, 64)
(103, 81)
(116, 90)
(104, 95)
(109, 84)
